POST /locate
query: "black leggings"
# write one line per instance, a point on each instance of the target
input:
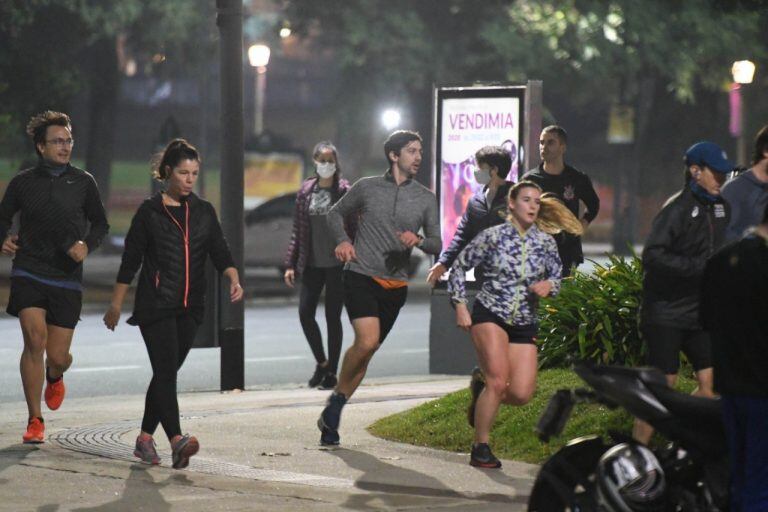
(168, 342)
(313, 281)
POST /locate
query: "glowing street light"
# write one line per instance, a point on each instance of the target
(258, 56)
(743, 71)
(390, 118)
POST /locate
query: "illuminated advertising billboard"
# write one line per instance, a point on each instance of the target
(467, 119)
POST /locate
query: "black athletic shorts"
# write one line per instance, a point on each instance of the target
(664, 344)
(515, 333)
(364, 297)
(62, 306)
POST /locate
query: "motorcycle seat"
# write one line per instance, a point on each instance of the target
(687, 405)
(675, 401)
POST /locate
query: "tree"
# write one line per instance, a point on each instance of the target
(664, 59)
(392, 52)
(653, 56)
(84, 49)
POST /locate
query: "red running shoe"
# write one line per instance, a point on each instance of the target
(35, 433)
(54, 393)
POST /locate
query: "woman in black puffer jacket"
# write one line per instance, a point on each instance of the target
(171, 235)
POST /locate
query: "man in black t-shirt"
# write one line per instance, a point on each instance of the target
(571, 186)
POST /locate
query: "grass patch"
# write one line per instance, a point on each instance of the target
(442, 423)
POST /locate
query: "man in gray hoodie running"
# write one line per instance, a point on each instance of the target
(748, 192)
(392, 209)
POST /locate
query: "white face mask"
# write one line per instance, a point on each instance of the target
(325, 169)
(482, 176)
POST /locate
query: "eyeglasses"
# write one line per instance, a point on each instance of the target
(61, 142)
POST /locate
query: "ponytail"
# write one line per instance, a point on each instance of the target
(176, 151)
(555, 217)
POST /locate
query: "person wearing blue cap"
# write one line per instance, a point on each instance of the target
(747, 194)
(689, 228)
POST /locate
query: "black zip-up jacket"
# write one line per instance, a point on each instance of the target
(686, 232)
(172, 257)
(476, 218)
(55, 212)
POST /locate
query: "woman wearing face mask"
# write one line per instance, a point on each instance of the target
(520, 264)
(311, 258)
(171, 236)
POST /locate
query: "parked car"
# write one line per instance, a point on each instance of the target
(268, 229)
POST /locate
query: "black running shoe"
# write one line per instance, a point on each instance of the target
(318, 376)
(483, 457)
(476, 385)
(329, 381)
(329, 419)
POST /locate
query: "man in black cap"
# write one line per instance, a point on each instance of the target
(689, 228)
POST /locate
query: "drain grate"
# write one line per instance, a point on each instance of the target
(106, 441)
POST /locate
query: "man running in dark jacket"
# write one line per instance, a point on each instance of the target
(488, 207)
(689, 228)
(61, 221)
(570, 186)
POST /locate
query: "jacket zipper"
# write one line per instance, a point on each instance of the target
(185, 233)
(394, 205)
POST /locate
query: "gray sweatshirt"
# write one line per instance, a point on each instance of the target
(748, 197)
(386, 209)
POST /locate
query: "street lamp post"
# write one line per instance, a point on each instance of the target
(258, 56)
(743, 72)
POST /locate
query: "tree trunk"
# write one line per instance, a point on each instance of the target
(104, 85)
(646, 98)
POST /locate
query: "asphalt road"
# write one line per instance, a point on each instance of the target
(276, 353)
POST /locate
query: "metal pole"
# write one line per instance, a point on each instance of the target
(231, 334)
(741, 145)
(258, 101)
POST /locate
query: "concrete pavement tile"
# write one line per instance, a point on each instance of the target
(259, 451)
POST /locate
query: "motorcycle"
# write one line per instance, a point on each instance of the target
(690, 473)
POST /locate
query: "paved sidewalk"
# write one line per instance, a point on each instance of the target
(259, 451)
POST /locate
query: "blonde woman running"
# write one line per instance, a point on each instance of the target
(521, 264)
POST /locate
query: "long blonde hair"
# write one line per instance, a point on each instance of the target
(553, 216)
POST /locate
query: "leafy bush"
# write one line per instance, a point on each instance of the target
(594, 317)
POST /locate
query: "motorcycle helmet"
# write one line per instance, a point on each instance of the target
(629, 479)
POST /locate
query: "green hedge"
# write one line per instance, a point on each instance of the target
(594, 317)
